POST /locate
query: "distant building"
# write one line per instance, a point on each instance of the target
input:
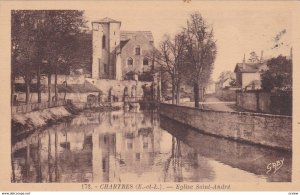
(120, 55)
(210, 88)
(248, 74)
(225, 83)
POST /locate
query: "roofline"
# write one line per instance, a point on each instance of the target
(141, 32)
(236, 67)
(101, 22)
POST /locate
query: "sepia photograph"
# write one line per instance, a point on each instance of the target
(151, 95)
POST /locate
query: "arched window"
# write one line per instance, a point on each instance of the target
(129, 61)
(138, 50)
(103, 42)
(145, 61)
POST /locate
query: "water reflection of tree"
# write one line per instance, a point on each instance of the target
(13, 179)
(47, 156)
(174, 162)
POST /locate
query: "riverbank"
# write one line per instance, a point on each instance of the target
(24, 123)
(27, 122)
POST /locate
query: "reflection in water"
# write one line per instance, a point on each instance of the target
(137, 146)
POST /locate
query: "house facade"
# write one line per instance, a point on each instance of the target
(248, 74)
(210, 87)
(136, 49)
(120, 55)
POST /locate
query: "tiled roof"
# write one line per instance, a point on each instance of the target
(107, 20)
(249, 67)
(85, 87)
(127, 35)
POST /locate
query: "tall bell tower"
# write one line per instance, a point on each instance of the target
(106, 39)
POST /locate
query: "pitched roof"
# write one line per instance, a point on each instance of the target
(249, 67)
(85, 87)
(107, 20)
(127, 35)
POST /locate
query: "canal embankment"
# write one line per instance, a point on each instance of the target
(248, 157)
(26, 119)
(263, 129)
(30, 121)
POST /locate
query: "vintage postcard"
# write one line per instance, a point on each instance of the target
(179, 95)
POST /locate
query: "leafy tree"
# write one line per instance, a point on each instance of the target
(23, 48)
(278, 76)
(233, 83)
(40, 36)
(225, 75)
(201, 52)
(253, 57)
(63, 29)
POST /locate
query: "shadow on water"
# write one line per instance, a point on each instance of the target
(251, 158)
(137, 146)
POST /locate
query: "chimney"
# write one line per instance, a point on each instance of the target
(291, 53)
(262, 56)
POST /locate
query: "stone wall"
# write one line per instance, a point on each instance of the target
(105, 85)
(247, 101)
(75, 97)
(265, 102)
(226, 94)
(264, 129)
(229, 152)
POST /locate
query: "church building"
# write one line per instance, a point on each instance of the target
(120, 55)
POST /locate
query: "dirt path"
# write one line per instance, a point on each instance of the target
(213, 103)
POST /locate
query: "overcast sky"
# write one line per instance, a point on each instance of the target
(237, 29)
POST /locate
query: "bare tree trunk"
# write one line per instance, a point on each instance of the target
(55, 84)
(38, 83)
(173, 91)
(49, 86)
(66, 85)
(201, 97)
(27, 83)
(196, 95)
(178, 92)
(158, 93)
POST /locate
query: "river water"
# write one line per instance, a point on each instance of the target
(140, 146)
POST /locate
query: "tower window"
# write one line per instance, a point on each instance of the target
(137, 156)
(145, 145)
(129, 145)
(105, 68)
(145, 61)
(138, 50)
(103, 42)
(104, 164)
(130, 62)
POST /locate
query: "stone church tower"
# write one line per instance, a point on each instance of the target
(106, 49)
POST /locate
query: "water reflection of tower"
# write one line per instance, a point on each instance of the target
(105, 167)
(108, 144)
(138, 144)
